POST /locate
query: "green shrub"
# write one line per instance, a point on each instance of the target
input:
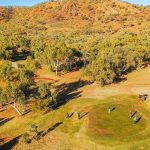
(26, 138)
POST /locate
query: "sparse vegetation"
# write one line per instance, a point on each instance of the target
(26, 138)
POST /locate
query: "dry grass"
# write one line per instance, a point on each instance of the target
(71, 132)
(80, 134)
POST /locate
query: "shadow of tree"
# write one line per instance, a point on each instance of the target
(9, 145)
(27, 112)
(52, 128)
(69, 91)
(1, 119)
(118, 80)
(145, 65)
(37, 136)
(20, 56)
(1, 141)
(5, 120)
(2, 110)
(129, 70)
(3, 105)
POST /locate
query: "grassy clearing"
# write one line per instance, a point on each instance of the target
(98, 128)
(114, 126)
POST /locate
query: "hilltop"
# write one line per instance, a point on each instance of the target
(104, 17)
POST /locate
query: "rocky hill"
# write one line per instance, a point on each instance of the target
(101, 16)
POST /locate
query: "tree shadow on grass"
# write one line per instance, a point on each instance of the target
(5, 120)
(26, 112)
(129, 70)
(52, 128)
(1, 141)
(3, 107)
(1, 119)
(69, 91)
(42, 133)
(20, 56)
(145, 64)
(118, 80)
(2, 110)
(9, 145)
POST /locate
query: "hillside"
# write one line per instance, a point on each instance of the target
(92, 16)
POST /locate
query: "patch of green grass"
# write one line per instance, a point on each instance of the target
(115, 124)
(115, 129)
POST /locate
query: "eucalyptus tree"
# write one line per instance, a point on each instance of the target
(44, 91)
(118, 55)
(6, 71)
(26, 76)
(45, 96)
(57, 56)
(12, 94)
(18, 83)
